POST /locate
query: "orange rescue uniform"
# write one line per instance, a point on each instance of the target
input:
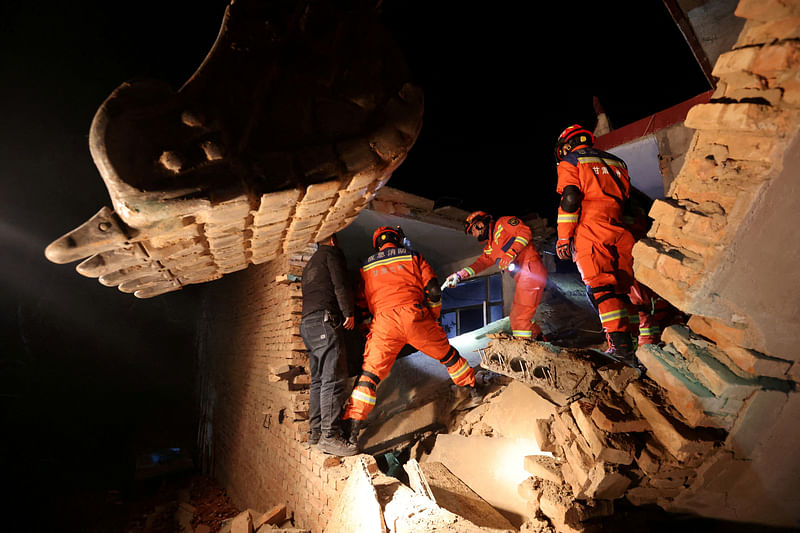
(394, 287)
(510, 242)
(601, 244)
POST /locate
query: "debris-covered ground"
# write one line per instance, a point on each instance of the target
(182, 503)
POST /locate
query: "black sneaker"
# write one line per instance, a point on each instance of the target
(313, 437)
(336, 445)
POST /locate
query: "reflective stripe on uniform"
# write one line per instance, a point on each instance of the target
(613, 315)
(363, 397)
(567, 218)
(654, 330)
(469, 271)
(458, 370)
(497, 233)
(521, 333)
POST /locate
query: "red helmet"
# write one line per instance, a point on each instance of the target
(474, 218)
(386, 234)
(572, 137)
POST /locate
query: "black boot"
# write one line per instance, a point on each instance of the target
(620, 346)
(353, 431)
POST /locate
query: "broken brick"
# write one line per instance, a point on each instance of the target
(691, 399)
(711, 372)
(606, 482)
(544, 467)
(677, 439)
(602, 448)
(613, 420)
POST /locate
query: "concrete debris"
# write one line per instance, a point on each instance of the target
(618, 376)
(454, 495)
(560, 373)
(556, 502)
(375, 502)
(503, 415)
(544, 467)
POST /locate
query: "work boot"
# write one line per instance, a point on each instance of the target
(334, 444)
(352, 431)
(313, 437)
(620, 346)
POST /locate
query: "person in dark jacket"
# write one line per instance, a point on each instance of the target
(328, 307)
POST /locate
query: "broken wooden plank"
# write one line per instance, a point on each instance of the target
(274, 516)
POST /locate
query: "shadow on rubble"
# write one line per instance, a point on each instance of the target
(651, 518)
(565, 314)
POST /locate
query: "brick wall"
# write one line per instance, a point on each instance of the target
(723, 248)
(255, 397)
(741, 140)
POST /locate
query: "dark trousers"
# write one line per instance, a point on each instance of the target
(327, 360)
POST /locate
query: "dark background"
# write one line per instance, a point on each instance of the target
(91, 377)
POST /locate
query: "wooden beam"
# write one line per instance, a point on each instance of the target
(685, 26)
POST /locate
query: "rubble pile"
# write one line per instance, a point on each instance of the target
(652, 438)
(252, 521)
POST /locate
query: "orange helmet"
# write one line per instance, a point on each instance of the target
(386, 234)
(572, 137)
(474, 218)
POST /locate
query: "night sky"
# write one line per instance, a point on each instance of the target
(89, 376)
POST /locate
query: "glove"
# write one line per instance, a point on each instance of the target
(503, 263)
(564, 249)
(452, 280)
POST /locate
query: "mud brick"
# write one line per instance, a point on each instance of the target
(677, 439)
(544, 467)
(613, 419)
(602, 448)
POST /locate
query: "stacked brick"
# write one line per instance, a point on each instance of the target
(732, 369)
(706, 386)
(738, 144)
(614, 436)
(258, 385)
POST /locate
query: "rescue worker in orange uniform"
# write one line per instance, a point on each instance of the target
(509, 248)
(594, 187)
(404, 298)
